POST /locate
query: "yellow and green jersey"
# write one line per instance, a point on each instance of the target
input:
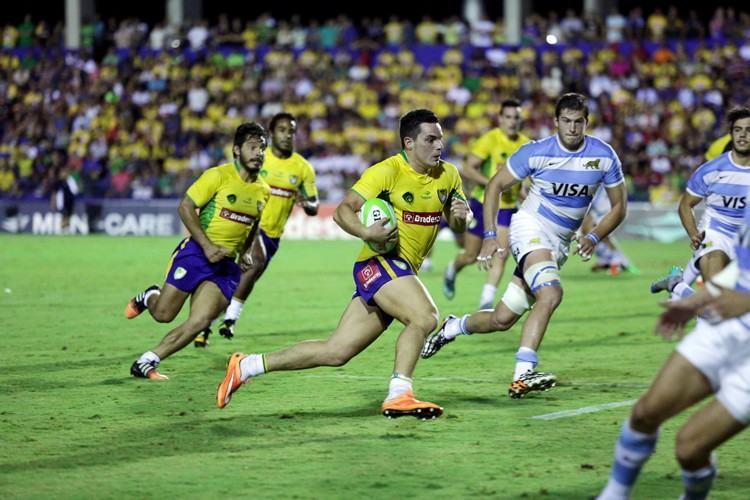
(718, 147)
(418, 200)
(495, 147)
(229, 206)
(286, 176)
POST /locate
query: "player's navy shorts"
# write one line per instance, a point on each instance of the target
(370, 276)
(189, 267)
(476, 226)
(270, 246)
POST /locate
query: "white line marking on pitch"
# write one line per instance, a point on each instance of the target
(581, 411)
(472, 380)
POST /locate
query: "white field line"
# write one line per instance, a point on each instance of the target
(347, 376)
(581, 411)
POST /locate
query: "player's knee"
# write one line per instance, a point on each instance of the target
(689, 452)
(338, 356)
(645, 416)
(549, 296)
(162, 314)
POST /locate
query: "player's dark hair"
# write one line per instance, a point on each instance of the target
(574, 101)
(408, 125)
(509, 103)
(737, 113)
(248, 130)
(278, 117)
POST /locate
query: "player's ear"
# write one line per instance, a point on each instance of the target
(236, 151)
(408, 143)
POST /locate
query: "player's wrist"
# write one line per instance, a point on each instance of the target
(490, 234)
(593, 237)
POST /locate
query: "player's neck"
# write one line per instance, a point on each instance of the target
(245, 174)
(420, 169)
(281, 154)
(512, 137)
(742, 160)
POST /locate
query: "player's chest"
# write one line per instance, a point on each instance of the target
(420, 198)
(248, 199)
(287, 177)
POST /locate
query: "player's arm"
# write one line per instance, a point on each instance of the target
(246, 255)
(309, 204)
(501, 181)
(189, 216)
(618, 200)
(687, 217)
(472, 170)
(346, 218)
(457, 213)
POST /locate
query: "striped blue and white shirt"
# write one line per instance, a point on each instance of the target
(564, 181)
(742, 247)
(723, 185)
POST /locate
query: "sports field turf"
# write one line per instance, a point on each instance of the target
(74, 424)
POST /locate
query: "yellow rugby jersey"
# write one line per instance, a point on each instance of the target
(229, 206)
(495, 147)
(718, 147)
(285, 176)
(417, 199)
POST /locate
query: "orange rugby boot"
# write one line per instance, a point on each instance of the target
(407, 404)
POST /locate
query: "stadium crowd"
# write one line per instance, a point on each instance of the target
(141, 110)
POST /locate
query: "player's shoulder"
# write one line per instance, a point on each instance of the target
(389, 166)
(449, 168)
(539, 145)
(721, 162)
(599, 147)
(301, 160)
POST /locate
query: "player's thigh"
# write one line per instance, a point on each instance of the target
(358, 327)
(171, 300)
(706, 430)
(713, 262)
(207, 302)
(677, 386)
(406, 299)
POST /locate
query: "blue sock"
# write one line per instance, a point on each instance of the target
(698, 482)
(633, 449)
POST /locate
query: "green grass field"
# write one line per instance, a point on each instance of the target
(74, 424)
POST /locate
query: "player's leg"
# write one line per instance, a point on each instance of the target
(407, 300)
(514, 304)
(358, 327)
(706, 430)
(542, 276)
(206, 303)
(472, 244)
(495, 273)
(678, 386)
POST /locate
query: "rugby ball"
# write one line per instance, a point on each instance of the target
(375, 210)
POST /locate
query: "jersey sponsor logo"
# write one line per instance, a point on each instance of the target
(570, 189)
(442, 195)
(264, 173)
(426, 195)
(231, 198)
(293, 180)
(408, 197)
(368, 274)
(236, 216)
(592, 164)
(282, 192)
(421, 218)
(733, 201)
(179, 273)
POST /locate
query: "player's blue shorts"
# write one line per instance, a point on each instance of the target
(270, 246)
(370, 276)
(189, 267)
(476, 227)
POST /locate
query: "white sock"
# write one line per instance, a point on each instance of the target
(526, 361)
(488, 294)
(148, 357)
(682, 290)
(399, 384)
(149, 294)
(456, 327)
(234, 310)
(252, 366)
(450, 271)
(690, 273)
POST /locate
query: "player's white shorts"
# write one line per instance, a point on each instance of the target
(527, 234)
(722, 353)
(714, 241)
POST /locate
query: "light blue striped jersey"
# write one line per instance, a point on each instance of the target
(723, 185)
(563, 181)
(742, 247)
